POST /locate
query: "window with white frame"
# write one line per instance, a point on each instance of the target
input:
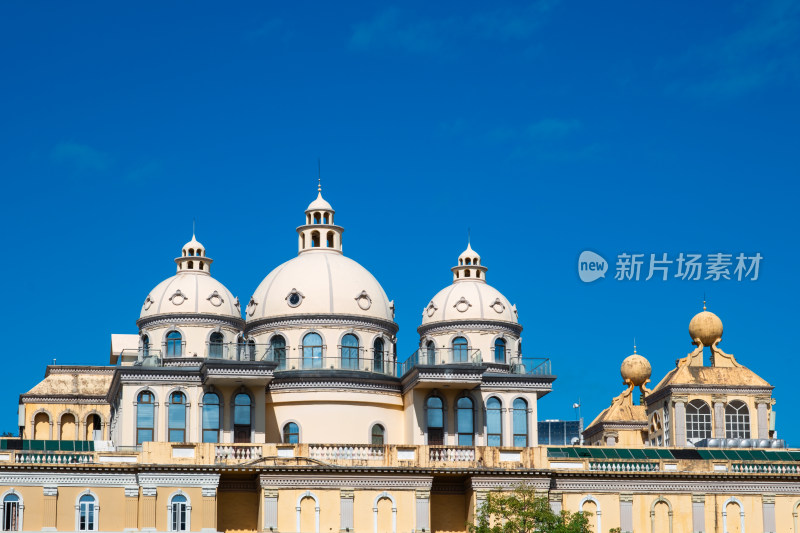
(737, 420)
(179, 513)
(494, 422)
(666, 426)
(698, 421)
(12, 512)
(87, 513)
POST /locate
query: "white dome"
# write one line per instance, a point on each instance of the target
(469, 300)
(319, 282)
(190, 293)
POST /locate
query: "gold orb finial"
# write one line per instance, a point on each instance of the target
(635, 369)
(705, 326)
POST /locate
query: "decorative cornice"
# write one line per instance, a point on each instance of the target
(656, 486)
(29, 479)
(332, 384)
(178, 480)
(470, 325)
(77, 399)
(726, 390)
(261, 325)
(78, 369)
(508, 483)
(367, 481)
(192, 319)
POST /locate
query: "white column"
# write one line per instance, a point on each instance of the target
(763, 417)
(680, 421)
(259, 415)
(719, 417)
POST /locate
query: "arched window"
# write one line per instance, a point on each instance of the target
(251, 350)
(87, 513)
(378, 434)
(177, 417)
(145, 346)
(191, 264)
(94, 427)
(215, 345)
(211, 418)
(145, 410)
(737, 420)
(330, 239)
(12, 512)
(500, 351)
(469, 261)
(68, 427)
(312, 351)
(315, 239)
(466, 273)
(41, 426)
(291, 433)
(465, 417)
(520, 422)
(698, 421)
(325, 218)
(241, 418)
(174, 344)
(350, 352)
(494, 422)
(316, 218)
(431, 349)
(435, 415)
(378, 355)
(460, 349)
(277, 346)
(179, 513)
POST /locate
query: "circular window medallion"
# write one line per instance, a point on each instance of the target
(498, 306)
(251, 306)
(364, 301)
(431, 309)
(178, 298)
(148, 302)
(462, 305)
(215, 299)
(294, 298)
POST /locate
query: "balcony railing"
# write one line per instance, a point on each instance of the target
(452, 454)
(517, 364)
(614, 466)
(53, 458)
(240, 452)
(346, 452)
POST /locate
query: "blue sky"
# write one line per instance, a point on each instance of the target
(548, 128)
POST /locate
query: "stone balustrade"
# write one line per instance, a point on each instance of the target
(620, 466)
(354, 452)
(451, 454)
(237, 452)
(53, 458)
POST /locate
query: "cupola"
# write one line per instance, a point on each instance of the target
(193, 258)
(469, 267)
(319, 232)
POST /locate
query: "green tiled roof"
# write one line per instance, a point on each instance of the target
(718, 454)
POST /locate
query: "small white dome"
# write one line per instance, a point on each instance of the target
(322, 282)
(190, 293)
(469, 300)
(192, 290)
(320, 204)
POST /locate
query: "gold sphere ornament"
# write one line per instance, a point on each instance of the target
(635, 369)
(705, 326)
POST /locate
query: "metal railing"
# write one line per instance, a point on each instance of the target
(517, 364)
(363, 364)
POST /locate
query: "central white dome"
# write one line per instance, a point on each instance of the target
(321, 282)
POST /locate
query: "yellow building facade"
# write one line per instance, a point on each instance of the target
(292, 413)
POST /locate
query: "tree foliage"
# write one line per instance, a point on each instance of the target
(521, 511)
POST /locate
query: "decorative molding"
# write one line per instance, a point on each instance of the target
(447, 326)
(132, 491)
(507, 483)
(29, 479)
(368, 481)
(190, 319)
(50, 490)
(658, 486)
(255, 327)
(179, 480)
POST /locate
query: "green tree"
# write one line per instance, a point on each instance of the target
(521, 511)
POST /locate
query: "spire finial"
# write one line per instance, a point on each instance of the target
(469, 237)
(704, 301)
(319, 176)
(194, 223)
(634, 345)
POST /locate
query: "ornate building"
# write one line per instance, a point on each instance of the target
(299, 417)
